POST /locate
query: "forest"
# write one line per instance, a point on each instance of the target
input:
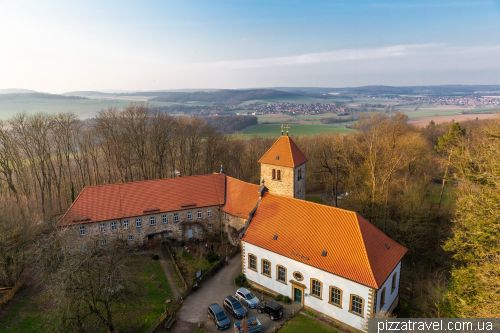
(435, 190)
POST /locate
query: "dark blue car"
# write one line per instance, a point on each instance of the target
(218, 316)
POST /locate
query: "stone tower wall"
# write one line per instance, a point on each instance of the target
(282, 187)
(300, 184)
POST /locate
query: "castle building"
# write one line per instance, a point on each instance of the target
(329, 260)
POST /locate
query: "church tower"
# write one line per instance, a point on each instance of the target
(283, 169)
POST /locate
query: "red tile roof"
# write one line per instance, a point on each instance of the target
(241, 197)
(288, 152)
(109, 202)
(355, 249)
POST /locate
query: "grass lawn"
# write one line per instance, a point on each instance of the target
(25, 313)
(189, 264)
(301, 324)
(269, 130)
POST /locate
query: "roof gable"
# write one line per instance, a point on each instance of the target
(355, 248)
(110, 202)
(284, 152)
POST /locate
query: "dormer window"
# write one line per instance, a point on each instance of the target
(277, 157)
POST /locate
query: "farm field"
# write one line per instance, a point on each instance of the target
(424, 121)
(84, 108)
(298, 100)
(270, 130)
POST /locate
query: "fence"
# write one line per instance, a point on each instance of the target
(169, 313)
(165, 246)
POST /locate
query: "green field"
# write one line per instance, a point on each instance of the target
(84, 108)
(269, 130)
(298, 100)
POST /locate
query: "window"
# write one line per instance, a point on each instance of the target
(209, 212)
(336, 296)
(125, 224)
(198, 214)
(274, 174)
(104, 242)
(200, 229)
(299, 174)
(278, 175)
(164, 219)
(209, 226)
(113, 226)
(130, 238)
(102, 227)
(138, 223)
(315, 288)
(82, 231)
(266, 267)
(227, 216)
(176, 217)
(84, 247)
(152, 220)
(252, 262)
(394, 278)
(382, 298)
(298, 276)
(281, 274)
(189, 215)
(356, 305)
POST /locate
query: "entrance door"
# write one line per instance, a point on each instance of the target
(190, 233)
(297, 295)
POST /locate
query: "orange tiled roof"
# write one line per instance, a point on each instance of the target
(109, 202)
(241, 197)
(288, 152)
(355, 248)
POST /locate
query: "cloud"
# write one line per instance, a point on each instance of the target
(432, 52)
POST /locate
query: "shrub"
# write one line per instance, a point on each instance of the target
(212, 257)
(183, 243)
(155, 257)
(246, 284)
(240, 280)
(278, 298)
(287, 300)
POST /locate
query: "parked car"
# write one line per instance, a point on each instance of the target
(273, 309)
(234, 307)
(218, 316)
(254, 326)
(246, 297)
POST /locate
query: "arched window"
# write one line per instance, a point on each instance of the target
(252, 262)
(336, 296)
(394, 278)
(299, 174)
(274, 174)
(279, 175)
(266, 268)
(281, 274)
(357, 304)
(382, 298)
(316, 287)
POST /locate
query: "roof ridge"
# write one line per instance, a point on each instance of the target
(69, 208)
(364, 250)
(242, 181)
(290, 147)
(311, 202)
(151, 180)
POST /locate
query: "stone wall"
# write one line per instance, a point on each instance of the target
(233, 225)
(281, 187)
(139, 235)
(289, 185)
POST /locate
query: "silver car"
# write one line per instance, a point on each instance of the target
(246, 297)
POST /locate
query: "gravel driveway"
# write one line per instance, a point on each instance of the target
(214, 290)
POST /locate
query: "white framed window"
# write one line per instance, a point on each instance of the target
(113, 226)
(281, 274)
(315, 288)
(198, 214)
(189, 215)
(164, 219)
(176, 217)
(84, 247)
(152, 220)
(102, 227)
(200, 229)
(209, 212)
(130, 238)
(227, 216)
(209, 226)
(125, 224)
(138, 223)
(356, 304)
(82, 231)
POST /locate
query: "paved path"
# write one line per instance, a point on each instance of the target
(168, 274)
(214, 290)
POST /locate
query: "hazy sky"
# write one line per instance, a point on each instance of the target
(60, 46)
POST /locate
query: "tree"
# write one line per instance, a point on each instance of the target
(474, 289)
(87, 287)
(446, 144)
